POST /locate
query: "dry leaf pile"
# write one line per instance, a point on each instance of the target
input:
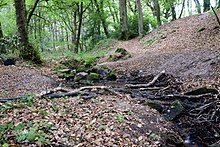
(179, 47)
(102, 121)
(16, 81)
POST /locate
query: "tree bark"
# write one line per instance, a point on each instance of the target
(198, 6)
(206, 5)
(1, 31)
(183, 5)
(157, 11)
(123, 20)
(102, 18)
(80, 15)
(21, 22)
(140, 19)
(32, 11)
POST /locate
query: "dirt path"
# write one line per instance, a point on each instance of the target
(188, 48)
(18, 80)
(132, 46)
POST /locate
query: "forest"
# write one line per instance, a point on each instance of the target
(110, 73)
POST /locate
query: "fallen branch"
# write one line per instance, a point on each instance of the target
(148, 84)
(216, 15)
(67, 93)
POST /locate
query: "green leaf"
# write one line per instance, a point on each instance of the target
(31, 136)
(19, 127)
(120, 118)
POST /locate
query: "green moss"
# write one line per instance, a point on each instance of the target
(93, 76)
(29, 53)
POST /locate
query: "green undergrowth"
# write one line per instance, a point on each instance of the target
(100, 50)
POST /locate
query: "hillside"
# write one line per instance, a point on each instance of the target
(122, 112)
(187, 48)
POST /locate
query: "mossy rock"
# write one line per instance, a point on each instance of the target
(202, 90)
(121, 51)
(176, 109)
(77, 78)
(112, 76)
(29, 53)
(72, 63)
(62, 76)
(94, 76)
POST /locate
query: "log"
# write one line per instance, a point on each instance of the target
(148, 84)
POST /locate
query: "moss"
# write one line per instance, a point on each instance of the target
(77, 78)
(93, 76)
(29, 53)
(112, 76)
(121, 51)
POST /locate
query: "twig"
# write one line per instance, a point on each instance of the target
(216, 15)
(148, 84)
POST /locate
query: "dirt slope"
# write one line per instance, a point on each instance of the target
(186, 48)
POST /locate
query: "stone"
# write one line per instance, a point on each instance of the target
(8, 62)
(64, 70)
(176, 109)
(202, 90)
(93, 76)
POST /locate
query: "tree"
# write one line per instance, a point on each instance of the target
(181, 12)
(1, 31)
(27, 52)
(157, 11)
(124, 35)
(21, 22)
(198, 6)
(206, 5)
(155, 8)
(140, 19)
(102, 17)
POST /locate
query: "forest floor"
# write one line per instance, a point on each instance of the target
(188, 49)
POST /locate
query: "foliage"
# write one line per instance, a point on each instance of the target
(30, 53)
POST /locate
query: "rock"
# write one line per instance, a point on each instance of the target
(64, 70)
(9, 62)
(121, 51)
(176, 109)
(62, 76)
(155, 105)
(202, 90)
(93, 76)
(80, 76)
(112, 76)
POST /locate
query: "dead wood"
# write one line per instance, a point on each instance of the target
(148, 84)
(64, 92)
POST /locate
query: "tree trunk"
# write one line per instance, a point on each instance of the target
(1, 31)
(74, 29)
(27, 52)
(173, 12)
(157, 11)
(183, 5)
(80, 15)
(102, 18)
(140, 19)
(123, 20)
(206, 5)
(21, 22)
(198, 6)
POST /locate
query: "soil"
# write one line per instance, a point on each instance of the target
(177, 47)
(180, 48)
